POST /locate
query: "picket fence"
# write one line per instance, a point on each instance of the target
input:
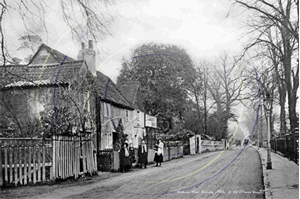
(25, 162)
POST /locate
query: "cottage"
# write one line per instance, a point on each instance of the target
(53, 80)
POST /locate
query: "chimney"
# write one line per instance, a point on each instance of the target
(90, 44)
(89, 55)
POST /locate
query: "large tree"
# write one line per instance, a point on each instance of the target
(164, 72)
(226, 86)
(275, 24)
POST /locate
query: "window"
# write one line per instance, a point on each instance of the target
(107, 110)
(127, 116)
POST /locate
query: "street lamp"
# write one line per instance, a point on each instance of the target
(267, 105)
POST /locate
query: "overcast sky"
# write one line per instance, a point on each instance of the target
(200, 27)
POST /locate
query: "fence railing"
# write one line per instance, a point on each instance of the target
(35, 161)
(287, 146)
(25, 164)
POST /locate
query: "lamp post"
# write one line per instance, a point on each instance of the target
(267, 105)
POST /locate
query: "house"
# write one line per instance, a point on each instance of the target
(28, 91)
(53, 80)
(143, 125)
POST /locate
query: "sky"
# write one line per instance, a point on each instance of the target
(200, 27)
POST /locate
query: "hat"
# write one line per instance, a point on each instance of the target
(126, 142)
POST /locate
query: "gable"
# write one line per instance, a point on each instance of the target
(109, 92)
(48, 55)
(42, 57)
(132, 93)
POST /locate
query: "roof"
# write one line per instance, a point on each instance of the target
(108, 91)
(58, 56)
(129, 92)
(56, 73)
(40, 74)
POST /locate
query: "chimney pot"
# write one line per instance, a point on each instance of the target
(90, 44)
(82, 45)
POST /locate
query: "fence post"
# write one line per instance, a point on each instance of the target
(39, 162)
(44, 162)
(34, 164)
(15, 165)
(25, 164)
(1, 173)
(29, 163)
(169, 151)
(53, 166)
(20, 163)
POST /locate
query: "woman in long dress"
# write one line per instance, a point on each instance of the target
(124, 158)
(131, 155)
(160, 152)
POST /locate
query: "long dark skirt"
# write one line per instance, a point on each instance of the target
(143, 158)
(158, 158)
(125, 164)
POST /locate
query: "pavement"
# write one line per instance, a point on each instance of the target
(282, 181)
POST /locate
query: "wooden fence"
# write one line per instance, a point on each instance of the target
(25, 164)
(33, 161)
(72, 156)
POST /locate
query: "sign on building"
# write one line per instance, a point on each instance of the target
(151, 121)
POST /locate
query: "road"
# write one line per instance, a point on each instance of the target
(207, 175)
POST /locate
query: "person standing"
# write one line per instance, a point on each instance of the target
(143, 154)
(160, 152)
(124, 158)
(131, 155)
(156, 149)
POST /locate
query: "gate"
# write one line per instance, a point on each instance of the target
(105, 160)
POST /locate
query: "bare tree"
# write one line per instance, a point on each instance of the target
(33, 13)
(225, 87)
(275, 24)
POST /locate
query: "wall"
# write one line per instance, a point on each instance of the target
(132, 121)
(207, 145)
(194, 144)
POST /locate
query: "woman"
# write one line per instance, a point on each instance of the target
(124, 158)
(156, 149)
(160, 152)
(131, 155)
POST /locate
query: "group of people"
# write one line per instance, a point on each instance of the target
(127, 156)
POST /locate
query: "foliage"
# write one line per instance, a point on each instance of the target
(163, 72)
(184, 135)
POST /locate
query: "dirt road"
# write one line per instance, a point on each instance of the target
(207, 175)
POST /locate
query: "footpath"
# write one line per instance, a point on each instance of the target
(282, 181)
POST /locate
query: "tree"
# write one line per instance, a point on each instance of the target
(164, 72)
(32, 15)
(193, 117)
(276, 25)
(225, 87)
(29, 43)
